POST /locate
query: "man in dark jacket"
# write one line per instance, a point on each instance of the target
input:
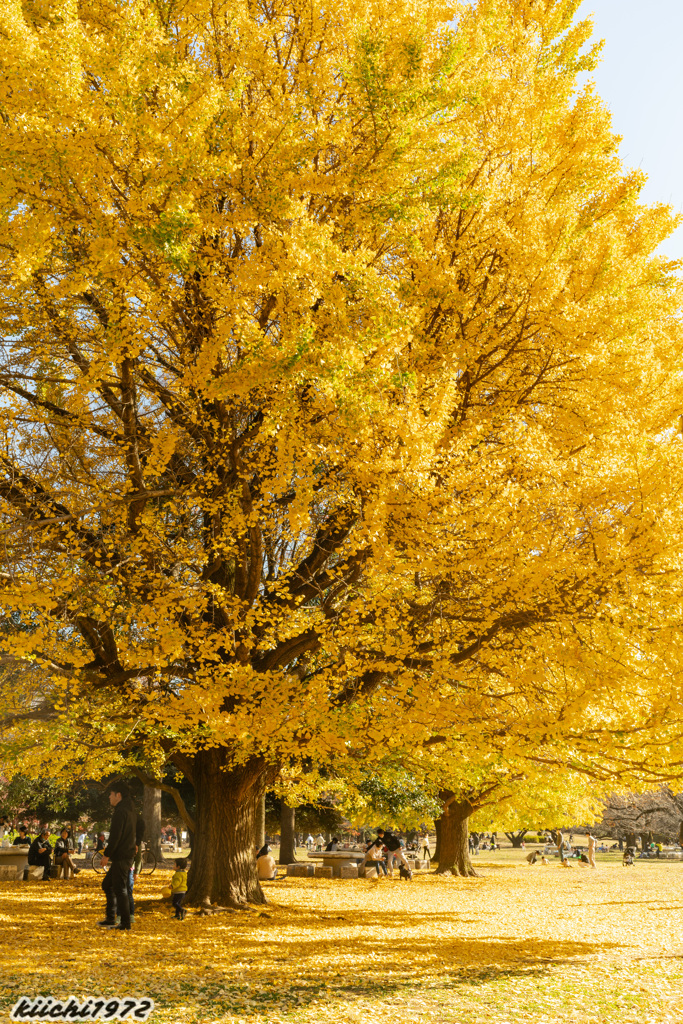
(23, 839)
(135, 870)
(394, 848)
(40, 853)
(120, 850)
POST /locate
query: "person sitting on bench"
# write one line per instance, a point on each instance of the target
(23, 839)
(375, 854)
(63, 851)
(40, 853)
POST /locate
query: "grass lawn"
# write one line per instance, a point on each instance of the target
(517, 944)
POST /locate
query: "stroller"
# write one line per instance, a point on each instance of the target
(627, 859)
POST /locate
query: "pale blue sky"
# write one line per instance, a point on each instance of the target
(641, 80)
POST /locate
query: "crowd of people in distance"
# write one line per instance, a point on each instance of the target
(380, 853)
(477, 841)
(585, 854)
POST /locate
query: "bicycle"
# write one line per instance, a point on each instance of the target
(96, 863)
(145, 862)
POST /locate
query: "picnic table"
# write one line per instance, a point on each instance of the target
(14, 857)
(337, 859)
(664, 855)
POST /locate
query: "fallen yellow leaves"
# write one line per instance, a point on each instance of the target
(514, 945)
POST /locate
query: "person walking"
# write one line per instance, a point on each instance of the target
(426, 852)
(591, 849)
(120, 850)
(81, 842)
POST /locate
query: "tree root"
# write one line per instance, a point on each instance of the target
(207, 909)
(457, 872)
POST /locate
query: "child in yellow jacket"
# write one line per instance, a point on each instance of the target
(179, 888)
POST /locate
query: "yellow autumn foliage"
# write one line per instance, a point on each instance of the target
(339, 383)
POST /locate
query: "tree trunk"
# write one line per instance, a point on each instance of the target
(454, 854)
(437, 829)
(223, 867)
(151, 815)
(517, 838)
(287, 826)
(260, 821)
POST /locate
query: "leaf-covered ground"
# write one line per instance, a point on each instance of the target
(518, 944)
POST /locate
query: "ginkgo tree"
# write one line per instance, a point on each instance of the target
(337, 370)
(542, 745)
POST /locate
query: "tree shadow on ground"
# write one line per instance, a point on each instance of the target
(625, 903)
(250, 962)
(380, 972)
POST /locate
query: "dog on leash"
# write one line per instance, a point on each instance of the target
(405, 873)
